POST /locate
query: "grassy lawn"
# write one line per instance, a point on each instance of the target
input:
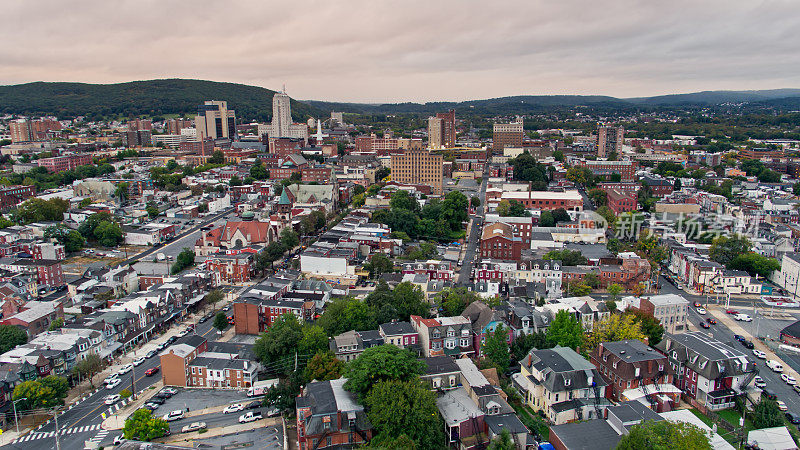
(731, 416)
(532, 420)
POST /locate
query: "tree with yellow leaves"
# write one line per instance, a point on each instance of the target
(615, 327)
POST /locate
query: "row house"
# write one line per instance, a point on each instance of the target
(671, 310)
(216, 370)
(539, 271)
(493, 271)
(634, 371)
(255, 314)
(450, 336)
(48, 272)
(350, 344)
(177, 358)
(586, 309)
(232, 267)
(328, 416)
(561, 384)
(524, 318)
(35, 317)
(434, 269)
(399, 334)
(711, 374)
(485, 321)
(695, 271)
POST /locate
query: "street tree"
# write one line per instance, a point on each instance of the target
(614, 289)
(277, 346)
(221, 321)
(88, 367)
(214, 297)
(46, 392)
(143, 426)
(381, 363)
(289, 238)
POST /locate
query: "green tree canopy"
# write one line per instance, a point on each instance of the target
(324, 366)
(38, 210)
(381, 363)
(766, 414)
(725, 249)
(565, 331)
(512, 208)
(496, 350)
(221, 321)
(397, 408)
(503, 441)
(567, 257)
(650, 326)
(184, 260)
(143, 426)
(453, 301)
(664, 434)
(289, 238)
(755, 264)
(46, 392)
(10, 337)
(279, 343)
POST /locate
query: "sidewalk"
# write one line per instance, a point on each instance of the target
(116, 421)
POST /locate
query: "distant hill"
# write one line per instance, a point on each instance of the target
(180, 96)
(152, 97)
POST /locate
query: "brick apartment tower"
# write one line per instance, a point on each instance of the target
(609, 140)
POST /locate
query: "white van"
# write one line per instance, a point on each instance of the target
(743, 318)
(775, 366)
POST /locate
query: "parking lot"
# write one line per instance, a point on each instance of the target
(261, 438)
(198, 399)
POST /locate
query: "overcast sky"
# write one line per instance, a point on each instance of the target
(409, 50)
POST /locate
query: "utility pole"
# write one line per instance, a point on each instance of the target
(133, 382)
(14, 403)
(58, 439)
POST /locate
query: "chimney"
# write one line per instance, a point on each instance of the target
(529, 359)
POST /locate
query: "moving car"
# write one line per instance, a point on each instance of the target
(151, 371)
(775, 366)
(125, 369)
(113, 383)
(781, 406)
(796, 388)
(139, 361)
(701, 311)
(732, 312)
(768, 394)
(747, 344)
(697, 304)
(743, 318)
(250, 417)
(759, 354)
(704, 325)
(236, 407)
(111, 399)
(738, 337)
(173, 415)
(788, 379)
(194, 426)
(711, 321)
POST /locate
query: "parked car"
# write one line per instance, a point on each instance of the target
(781, 406)
(111, 399)
(194, 426)
(151, 353)
(250, 417)
(173, 415)
(273, 412)
(183, 333)
(151, 371)
(138, 361)
(113, 383)
(738, 337)
(732, 312)
(125, 369)
(170, 391)
(775, 366)
(253, 405)
(793, 418)
(152, 406)
(747, 344)
(788, 379)
(236, 407)
(157, 400)
(759, 354)
(759, 382)
(768, 394)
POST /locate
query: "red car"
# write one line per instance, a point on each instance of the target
(151, 371)
(697, 304)
(732, 312)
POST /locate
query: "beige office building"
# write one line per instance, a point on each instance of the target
(435, 133)
(508, 135)
(418, 167)
(215, 121)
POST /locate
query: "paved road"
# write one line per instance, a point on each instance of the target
(82, 422)
(472, 239)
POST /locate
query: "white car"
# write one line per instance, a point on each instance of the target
(781, 406)
(788, 379)
(111, 399)
(113, 383)
(173, 415)
(743, 318)
(759, 382)
(183, 333)
(125, 369)
(194, 426)
(759, 354)
(139, 361)
(112, 377)
(775, 366)
(701, 311)
(233, 408)
(250, 417)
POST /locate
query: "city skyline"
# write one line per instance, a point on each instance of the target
(448, 51)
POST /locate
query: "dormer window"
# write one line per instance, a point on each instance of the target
(567, 382)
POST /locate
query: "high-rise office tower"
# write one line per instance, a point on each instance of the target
(435, 133)
(448, 128)
(609, 140)
(508, 135)
(418, 167)
(215, 121)
(281, 115)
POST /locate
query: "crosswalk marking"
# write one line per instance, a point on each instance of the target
(98, 438)
(49, 434)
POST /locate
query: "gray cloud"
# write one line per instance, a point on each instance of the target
(380, 50)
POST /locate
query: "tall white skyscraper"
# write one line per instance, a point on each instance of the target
(281, 115)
